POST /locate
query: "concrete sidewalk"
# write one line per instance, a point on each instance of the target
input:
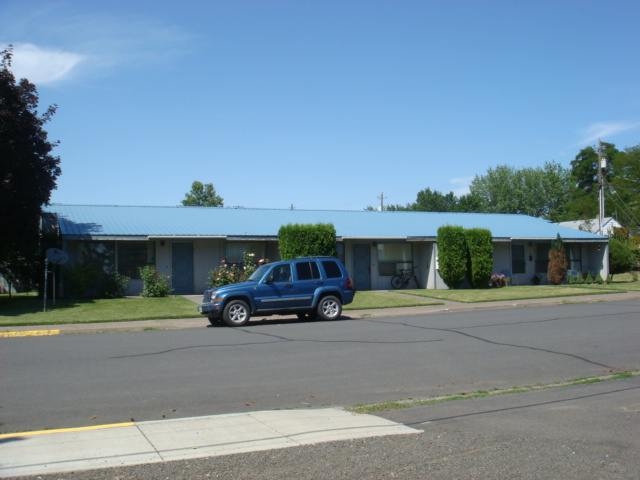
(43, 452)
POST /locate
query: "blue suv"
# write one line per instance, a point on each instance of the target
(311, 287)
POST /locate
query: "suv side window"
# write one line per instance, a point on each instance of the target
(307, 270)
(331, 268)
(281, 273)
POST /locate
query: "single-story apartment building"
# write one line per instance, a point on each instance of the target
(186, 243)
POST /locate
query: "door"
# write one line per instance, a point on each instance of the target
(362, 266)
(182, 267)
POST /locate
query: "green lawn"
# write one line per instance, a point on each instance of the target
(27, 310)
(509, 293)
(387, 299)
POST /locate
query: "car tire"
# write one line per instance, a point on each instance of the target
(329, 308)
(236, 313)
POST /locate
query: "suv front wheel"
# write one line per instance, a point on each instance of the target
(329, 308)
(236, 313)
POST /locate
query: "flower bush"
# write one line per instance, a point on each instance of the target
(227, 273)
(498, 280)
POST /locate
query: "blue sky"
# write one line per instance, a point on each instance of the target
(321, 104)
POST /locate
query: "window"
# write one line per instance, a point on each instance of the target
(331, 269)
(234, 251)
(574, 256)
(281, 273)
(393, 257)
(132, 256)
(517, 259)
(307, 270)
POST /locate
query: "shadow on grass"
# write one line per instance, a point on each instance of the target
(22, 305)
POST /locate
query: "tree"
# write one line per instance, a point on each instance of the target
(539, 192)
(623, 194)
(428, 200)
(202, 195)
(28, 172)
(582, 201)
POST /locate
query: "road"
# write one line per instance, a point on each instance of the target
(77, 380)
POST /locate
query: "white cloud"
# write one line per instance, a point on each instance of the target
(604, 130)
(42, 65)
(460, 185)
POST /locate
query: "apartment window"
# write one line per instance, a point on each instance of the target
(134, 255)
(393, 257)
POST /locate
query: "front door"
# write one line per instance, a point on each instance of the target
(361, 266)
(182, 267)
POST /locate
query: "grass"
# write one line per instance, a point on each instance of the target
(521, 292)
(419, 402)
(27, 310)
(387, 299)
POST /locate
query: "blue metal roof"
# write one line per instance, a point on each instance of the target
(100, 221)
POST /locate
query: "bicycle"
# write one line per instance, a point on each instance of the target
(402, 279)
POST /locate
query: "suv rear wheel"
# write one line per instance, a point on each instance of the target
(236, 313)
(329, 308)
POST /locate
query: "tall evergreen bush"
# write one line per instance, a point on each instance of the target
(301, 240)
(480, 251)
(452, 255)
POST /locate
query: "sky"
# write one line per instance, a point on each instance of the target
(320, 104)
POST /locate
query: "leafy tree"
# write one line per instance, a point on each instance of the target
(28, 172)
(539, 192)
(429, 200)
(202, 195)
(623, 194)
(582, 202)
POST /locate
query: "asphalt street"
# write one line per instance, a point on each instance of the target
(574, 433)
(587, 431)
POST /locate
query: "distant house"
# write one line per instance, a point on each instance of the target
(186, 243)
(592, 225)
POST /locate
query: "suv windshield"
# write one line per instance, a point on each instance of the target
(257, 275)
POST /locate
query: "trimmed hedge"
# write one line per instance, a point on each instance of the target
(480, 256)
(453, 255)
(302, 240)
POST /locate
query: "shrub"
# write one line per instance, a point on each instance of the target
(480, 251)
(154, 284)
(557, 267)
(622, 257)
(227, 273)
(302, 240)
(89, 280)
(452, 255)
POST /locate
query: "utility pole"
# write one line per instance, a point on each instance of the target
(602, 179)
(381, 197)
